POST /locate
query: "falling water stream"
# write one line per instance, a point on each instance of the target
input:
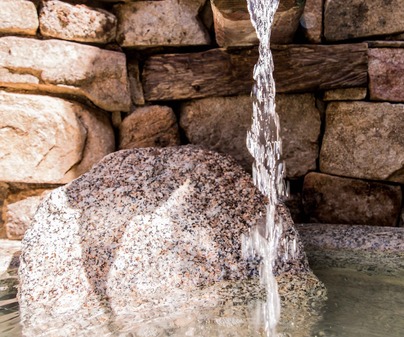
(264, 143)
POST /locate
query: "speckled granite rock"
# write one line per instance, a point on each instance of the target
(372, 249)
(19, 209)
(145, 230)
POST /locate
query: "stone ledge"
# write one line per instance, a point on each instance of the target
(64, 67)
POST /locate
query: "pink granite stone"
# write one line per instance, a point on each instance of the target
(145, 231)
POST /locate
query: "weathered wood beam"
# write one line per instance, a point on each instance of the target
(301, 68)
(220, 72)
(216, 72)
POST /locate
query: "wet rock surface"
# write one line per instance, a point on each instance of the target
(331, 199)
(140, 232)
(221, 124)
(300, 132)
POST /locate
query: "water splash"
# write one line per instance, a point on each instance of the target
(265, 145)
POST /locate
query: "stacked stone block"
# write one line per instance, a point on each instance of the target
(82, 78)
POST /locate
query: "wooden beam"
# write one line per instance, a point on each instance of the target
(300, 68)
(220, 72)
(216, 72)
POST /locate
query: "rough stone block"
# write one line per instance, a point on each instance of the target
(312, 20)
(233, 25)
(151, 126)
(364, 140)
(361, 18)
(76, 23)
(160, 23)
(18, 17)
(4, 191)
(386, 74)
(221, 124)
(331, 199)
(348, 94)
(286, 21)
(64, 67)
(300, 131)
(49, 140)
(19, 210)
(136, 88)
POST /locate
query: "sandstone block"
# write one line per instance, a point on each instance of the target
(19, 210)
(221, 124)
(151, 126)
(364, 140)
(361, 18)
(144, 231)
(160, 23)
(233, 25)
(64, 21)
(331, 199)
(65, 68)
(348, 94)
(49, 140)
(312, 20)
(136, 88)
(4, 191)
(286, 21)
(18, 17)
(386, 74)
(300, 131)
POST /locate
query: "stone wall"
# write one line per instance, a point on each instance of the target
(82, 78)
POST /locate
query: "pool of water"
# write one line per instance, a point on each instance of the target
(360, 303)
(9, 315)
